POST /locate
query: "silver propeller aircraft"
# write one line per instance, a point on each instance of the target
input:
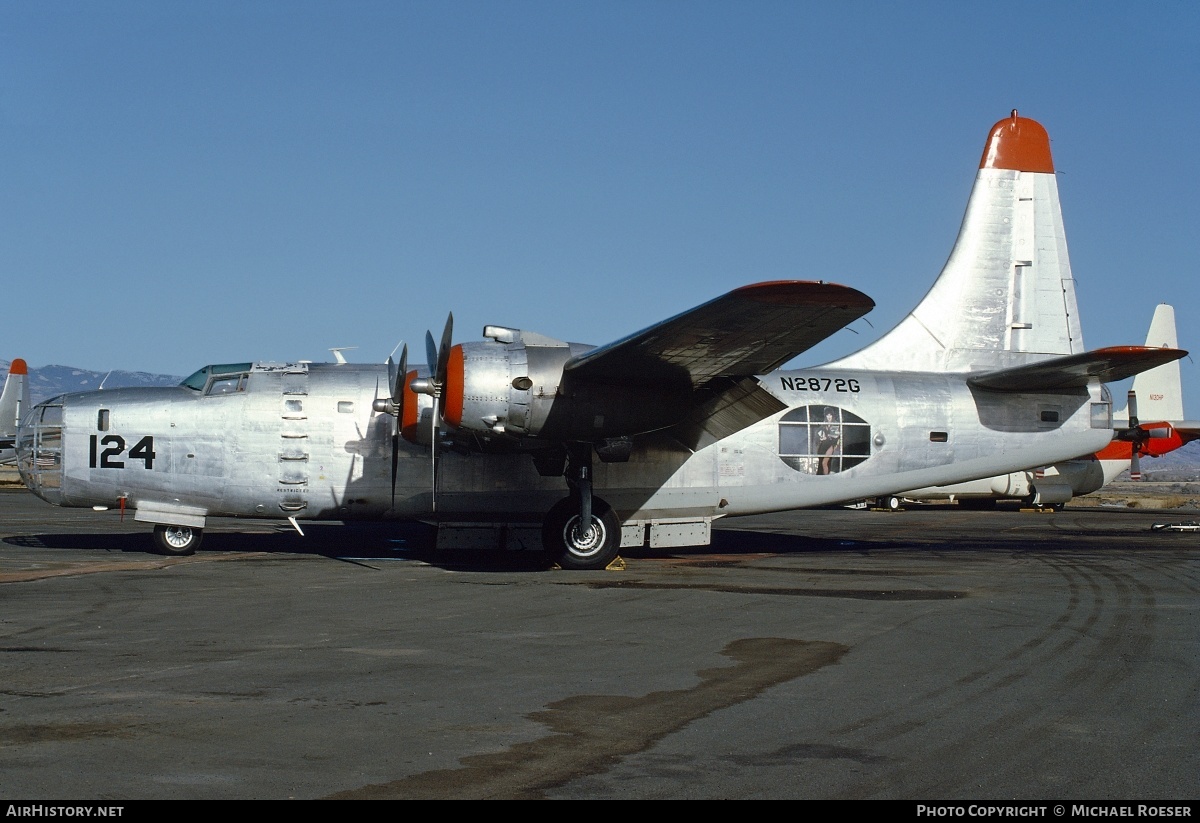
(643, 441)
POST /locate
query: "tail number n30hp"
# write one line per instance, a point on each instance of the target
(114, 446)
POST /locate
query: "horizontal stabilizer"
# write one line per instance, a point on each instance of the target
(1188, 430)
(1074, 371)
(751, 330)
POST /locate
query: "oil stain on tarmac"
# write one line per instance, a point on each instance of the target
(590, 733)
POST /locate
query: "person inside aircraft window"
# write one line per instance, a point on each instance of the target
(829, 437)
(823, 440)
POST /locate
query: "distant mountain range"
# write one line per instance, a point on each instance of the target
(48, 381)
(1179, 465)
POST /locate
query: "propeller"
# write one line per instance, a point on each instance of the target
(394, 406)
(1136, 436)
(434, 385)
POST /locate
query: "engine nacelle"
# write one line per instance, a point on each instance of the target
(505, 385)
(514, 385)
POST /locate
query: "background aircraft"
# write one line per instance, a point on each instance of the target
(645, 440)
(14, 402)
(1155, 427)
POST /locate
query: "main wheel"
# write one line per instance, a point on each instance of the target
(177, 540)
(572, 547)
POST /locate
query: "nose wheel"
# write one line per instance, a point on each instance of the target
(177, 541)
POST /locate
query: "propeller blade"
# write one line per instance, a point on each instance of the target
(397, 383)
(395, 461)
(443, 357)
(433, 426)
(431, 355)
(439, 360)
(394, 406)
(1135, 456)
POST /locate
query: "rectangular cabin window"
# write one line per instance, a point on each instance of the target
(102, 420)
(939, 437)
(227, 384)
(345, 407)
(293, 410)
(1101, 415)
(1049, 416)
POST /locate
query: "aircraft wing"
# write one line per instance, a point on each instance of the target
(751, 330)
(1075, 370)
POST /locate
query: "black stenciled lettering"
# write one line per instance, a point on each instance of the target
(116, 445)
(144, 451)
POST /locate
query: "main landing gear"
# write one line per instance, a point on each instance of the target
(581, 532)
(177, 541)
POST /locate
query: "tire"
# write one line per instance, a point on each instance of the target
(891, 504)
(570, 550)
(177, 541)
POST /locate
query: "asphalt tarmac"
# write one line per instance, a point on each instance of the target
(920, 655)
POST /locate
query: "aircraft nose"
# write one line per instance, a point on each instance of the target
(40, 450)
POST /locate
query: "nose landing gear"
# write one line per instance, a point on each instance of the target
(177, 541)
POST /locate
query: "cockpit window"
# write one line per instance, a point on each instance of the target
(219, 379)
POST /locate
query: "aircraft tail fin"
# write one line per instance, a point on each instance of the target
(1160, 390)
(14, 401)
(1006, 296)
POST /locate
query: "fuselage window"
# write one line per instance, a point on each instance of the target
(199, 380)
(823, 439)
(939, 437)
(1049, 416)
(102, 420)
(346, 406)
(227, 384)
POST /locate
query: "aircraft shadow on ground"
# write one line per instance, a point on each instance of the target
(327, 540)
(415, 541)
(353, 542)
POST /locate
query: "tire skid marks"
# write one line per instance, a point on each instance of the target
(1100, 609)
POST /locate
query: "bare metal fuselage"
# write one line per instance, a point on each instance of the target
(302, 441)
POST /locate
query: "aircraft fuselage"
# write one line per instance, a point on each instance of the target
(303, 441)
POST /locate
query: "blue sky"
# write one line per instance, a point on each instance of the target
(197, 182)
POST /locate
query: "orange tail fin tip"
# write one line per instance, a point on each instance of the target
(1018, 143)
